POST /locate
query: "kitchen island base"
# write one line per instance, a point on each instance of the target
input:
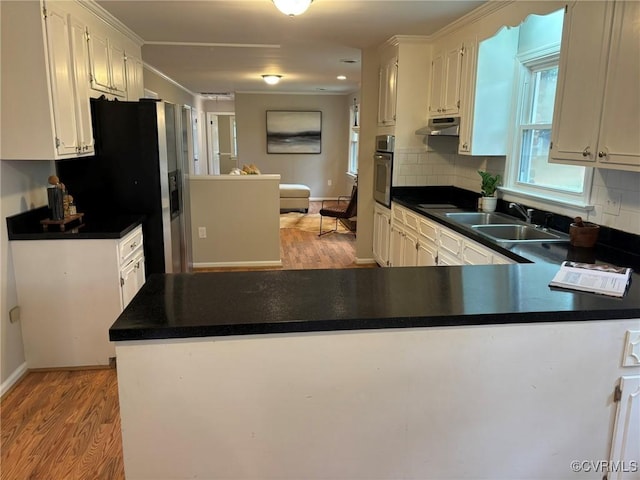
(516, 401)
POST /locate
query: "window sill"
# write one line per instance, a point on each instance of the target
(546, 200)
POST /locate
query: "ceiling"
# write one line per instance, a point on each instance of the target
(221, 46)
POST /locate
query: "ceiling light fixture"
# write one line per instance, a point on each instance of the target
(271, 79)
(341, 77)
(292, 7)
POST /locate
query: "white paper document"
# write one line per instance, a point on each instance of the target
(587, 277)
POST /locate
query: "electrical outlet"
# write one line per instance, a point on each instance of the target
(612, 204)
(14, 314)
(329, 182)
(202, 232)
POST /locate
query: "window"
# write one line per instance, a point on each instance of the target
(354, 134)
(529, 171)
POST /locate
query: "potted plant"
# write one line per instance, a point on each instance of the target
(488, 187)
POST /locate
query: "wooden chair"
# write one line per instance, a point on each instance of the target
(345, 208)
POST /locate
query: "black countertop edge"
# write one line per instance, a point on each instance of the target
(26, 226)
(146, 333)
(614, 246)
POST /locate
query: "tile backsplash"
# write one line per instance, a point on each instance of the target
(615, 194)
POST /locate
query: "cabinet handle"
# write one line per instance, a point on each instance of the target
(602, 154)
(134, 245)
(586, 152)
(465, 146)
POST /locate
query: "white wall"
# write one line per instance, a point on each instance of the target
(312, 170)
(241, 216)
(22, 187)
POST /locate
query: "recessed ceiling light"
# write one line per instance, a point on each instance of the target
(347, 60)
(341, 77)
(271, 79)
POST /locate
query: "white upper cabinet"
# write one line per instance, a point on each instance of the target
(45, 82)
(597, 108)
(107, 64)
(387, 92)
(488, 75)
(45, 105)
(63, 97)
(80, 51)
(135, 84)
(446, 69)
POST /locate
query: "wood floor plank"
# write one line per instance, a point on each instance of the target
(66, 424)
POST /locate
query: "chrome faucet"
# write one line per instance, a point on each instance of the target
(526, 213)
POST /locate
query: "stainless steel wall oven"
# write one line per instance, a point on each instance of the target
(383, 169)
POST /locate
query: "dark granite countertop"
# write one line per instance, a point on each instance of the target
(242, 303)
(26, 226)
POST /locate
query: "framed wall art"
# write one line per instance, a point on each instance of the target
(294, 131)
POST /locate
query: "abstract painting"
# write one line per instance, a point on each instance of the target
(294, 132)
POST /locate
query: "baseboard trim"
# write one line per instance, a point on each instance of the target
(263, 263)
(13, 379)
(365, 261)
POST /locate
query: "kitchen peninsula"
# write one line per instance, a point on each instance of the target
(450, 372)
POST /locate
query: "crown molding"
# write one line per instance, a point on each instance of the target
(110, 20)
(169, 79)
(473, 16)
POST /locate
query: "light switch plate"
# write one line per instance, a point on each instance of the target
(202, 232)
(631, 356)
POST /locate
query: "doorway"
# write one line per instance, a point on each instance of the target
(221, 142)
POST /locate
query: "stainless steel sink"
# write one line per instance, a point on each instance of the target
(482, 218)
(519, 233)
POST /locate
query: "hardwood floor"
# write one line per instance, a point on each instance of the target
(62, 425)
(65, 425)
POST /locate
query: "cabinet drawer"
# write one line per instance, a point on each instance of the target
(428, 231)
(475, 255)
(411, 221)
(132, 277)
(397, 213)
(450, 242)
(130, 245)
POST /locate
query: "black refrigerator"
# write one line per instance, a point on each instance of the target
(136, 171)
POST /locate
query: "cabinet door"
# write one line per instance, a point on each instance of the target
(625, 444)
(61, 74)
(381, 237)
(80, 52)
(135, 82)
(117, 64)
(467, 91)
(132, 279)
(427, 254)
(451, 94)
(99, 61)
(437, 76)
(392, 90)
(409, 249)
(621, 107)
(395, 246)
(581, 77)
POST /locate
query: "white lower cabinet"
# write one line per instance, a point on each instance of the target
(381, 233)
(70, 292)
(414, 240)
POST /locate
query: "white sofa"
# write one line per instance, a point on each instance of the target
(294, 197)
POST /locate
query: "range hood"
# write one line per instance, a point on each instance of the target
(445, 126)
